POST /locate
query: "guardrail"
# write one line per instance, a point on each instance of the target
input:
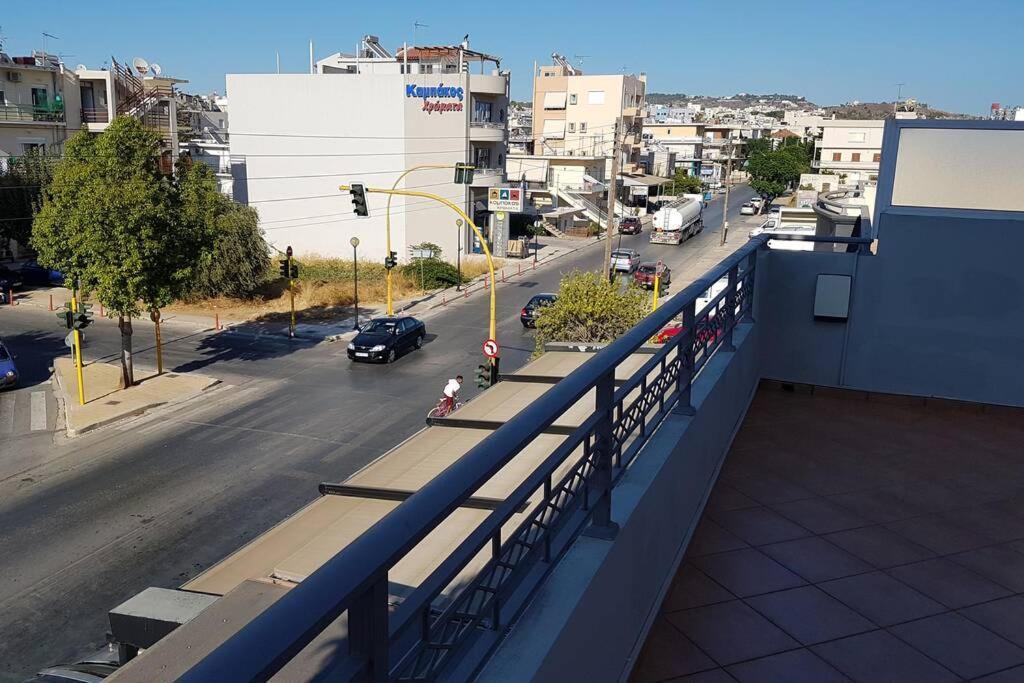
(486, 124)
(420, 637)
(31, 114)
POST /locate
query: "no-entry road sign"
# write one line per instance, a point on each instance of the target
(491, 348)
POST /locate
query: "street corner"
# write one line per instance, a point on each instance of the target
(106, 401)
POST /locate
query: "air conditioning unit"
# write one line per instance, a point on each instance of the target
(14, 76)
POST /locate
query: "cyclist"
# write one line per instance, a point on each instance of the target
(451, 393)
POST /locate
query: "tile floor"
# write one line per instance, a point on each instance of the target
(854, 538)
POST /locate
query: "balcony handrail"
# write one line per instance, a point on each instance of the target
(488, 171)
(485, 124)
(355, 579)
(52, 112)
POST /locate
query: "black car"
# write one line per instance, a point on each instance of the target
(34, 274)
(630, 225)
(528, 316)
(383, 339)
(9, 279)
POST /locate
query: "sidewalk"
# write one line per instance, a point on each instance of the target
(106, 403)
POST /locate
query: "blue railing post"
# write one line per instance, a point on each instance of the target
(685, 353)
(747, 314)
(368, 629)
(601, 524)
(730, 308)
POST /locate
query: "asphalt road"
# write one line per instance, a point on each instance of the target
(87, 523)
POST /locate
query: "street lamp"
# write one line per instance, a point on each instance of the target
(355, 277)
(458, 254)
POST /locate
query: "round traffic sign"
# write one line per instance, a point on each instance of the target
(491, 348)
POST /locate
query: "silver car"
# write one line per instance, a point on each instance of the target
(624, 260)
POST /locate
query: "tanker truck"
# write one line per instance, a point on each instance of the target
(678, 221)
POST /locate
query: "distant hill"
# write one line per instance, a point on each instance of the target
(883, 110)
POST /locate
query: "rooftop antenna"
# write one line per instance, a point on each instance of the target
(416, 26)
(156, 69)
(2, 38)
(141, 65)
(899, 95)
(45, 36)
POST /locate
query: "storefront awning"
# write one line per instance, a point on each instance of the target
(643, 180)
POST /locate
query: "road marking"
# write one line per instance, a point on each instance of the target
(7, 414)
(38, 410)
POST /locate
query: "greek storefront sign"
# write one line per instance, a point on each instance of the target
(437, 98)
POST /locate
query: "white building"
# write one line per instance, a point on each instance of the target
(206, 140)
(367, 118)
(849, 147)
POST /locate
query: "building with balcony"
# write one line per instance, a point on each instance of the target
(685, 140)
(575, 114)
(851, 148)
(203, 134)
(817, 478)
(368, 118)
(37, 97)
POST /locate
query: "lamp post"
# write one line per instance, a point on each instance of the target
(458, 254)
(355, 277)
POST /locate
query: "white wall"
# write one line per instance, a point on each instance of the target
(299, 136)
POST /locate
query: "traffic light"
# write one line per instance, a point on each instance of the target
(483, 376)
(464, 174)
(284, 269)
(358, 193)
(84, 316)
(295, 271)
(391, 260)
(67, 316)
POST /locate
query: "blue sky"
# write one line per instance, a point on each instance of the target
(953, 55)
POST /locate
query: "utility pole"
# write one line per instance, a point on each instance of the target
(613, 182)
(725, 207)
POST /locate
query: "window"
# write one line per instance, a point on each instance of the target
(595, 97)
(39, 97)
(668, 132)
(583, 126)
(837, 156)
(572, 98)
(857, 136)
(30, 147)
(3, 99)
(572, 127)
(481, 111)
(877, 157)
(855, 156)
(482, 157)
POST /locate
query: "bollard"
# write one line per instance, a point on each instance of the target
(10, 296)
(520, 268)
(216, 321)
(51, 302)
(467, 293)
(503, 276)
(101, 309)
(443, 300)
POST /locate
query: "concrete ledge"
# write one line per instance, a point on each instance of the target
(106, 402)
(602, 596)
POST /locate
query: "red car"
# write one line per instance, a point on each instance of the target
(645, 274)
(705, 335)
(630, 225)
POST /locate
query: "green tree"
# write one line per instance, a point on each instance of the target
(22, 180)
(758, 146)
(683, 183)
(590, 309)
(772, 173)
(240, 260)
(120, 229)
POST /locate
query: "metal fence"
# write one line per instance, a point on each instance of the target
(447, 625)
(28, 113)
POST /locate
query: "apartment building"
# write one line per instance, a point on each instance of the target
(38, 97)
(520, 130)
(725, 144)
(206, 137)
(369, 117)
(849, 147)
(685, 141)
(576, 114)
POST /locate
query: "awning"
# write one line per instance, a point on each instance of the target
(591, 179)
(554, 100)
(644, 180)
(554, 129)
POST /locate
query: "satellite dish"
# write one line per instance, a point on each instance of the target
(141, 65)
(155, 68)
(81, 67)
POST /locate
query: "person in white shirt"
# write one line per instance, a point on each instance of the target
(451, 392)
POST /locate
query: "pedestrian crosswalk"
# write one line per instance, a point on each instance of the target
(23, 411)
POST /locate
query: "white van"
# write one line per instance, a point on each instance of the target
(771, 227)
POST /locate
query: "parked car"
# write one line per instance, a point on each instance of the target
(8, 370)
(646, 272)
(9, 279)
(758, 202)
(630, 225)
(383, 339)
(775, 210)
(624, 260)
(34, 274)
(90, 670)
(706, 333)
(748, 210)
(528, 316)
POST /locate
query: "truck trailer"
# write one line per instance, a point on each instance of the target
(679, 221)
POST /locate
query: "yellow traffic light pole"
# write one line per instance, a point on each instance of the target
(387, 219)
(483, 242)
(77, 352)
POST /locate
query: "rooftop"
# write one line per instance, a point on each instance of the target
(872, 536)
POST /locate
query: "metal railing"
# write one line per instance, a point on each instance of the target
(31, 114)
(474, 123)
(95, 115)
(431, 632)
